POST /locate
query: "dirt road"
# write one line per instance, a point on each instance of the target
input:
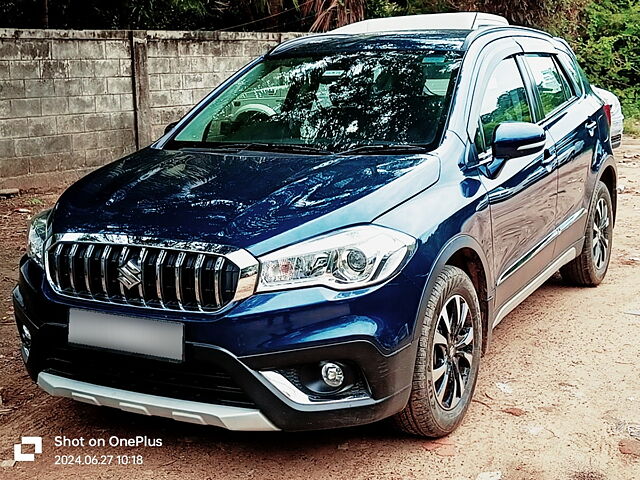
(558, 395)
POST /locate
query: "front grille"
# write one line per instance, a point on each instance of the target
(143, 276)
(197, 382)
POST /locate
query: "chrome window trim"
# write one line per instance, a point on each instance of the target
(248, 265)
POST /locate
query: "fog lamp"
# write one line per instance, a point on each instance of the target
(332, 374)
(25, 336)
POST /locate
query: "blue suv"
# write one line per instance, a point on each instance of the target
(329, 238)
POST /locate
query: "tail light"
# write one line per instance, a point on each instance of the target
(607, 112)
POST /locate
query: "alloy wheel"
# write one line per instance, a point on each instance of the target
(600, 244)
(453, 352)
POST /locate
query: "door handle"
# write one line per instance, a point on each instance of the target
(549, 156)
(549, 159)
(591, 127)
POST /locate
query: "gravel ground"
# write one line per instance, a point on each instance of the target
(558, 395)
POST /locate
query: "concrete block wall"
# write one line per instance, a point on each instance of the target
(66, 104)
(71, 101)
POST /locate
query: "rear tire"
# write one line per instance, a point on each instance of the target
(448, 358)
(590, 267)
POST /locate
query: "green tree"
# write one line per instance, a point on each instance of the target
(608, 45)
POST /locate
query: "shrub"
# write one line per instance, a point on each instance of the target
(608, 46)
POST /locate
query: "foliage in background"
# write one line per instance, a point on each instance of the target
(608, 45)
(333, 13)
(604, 33)
(383, 8)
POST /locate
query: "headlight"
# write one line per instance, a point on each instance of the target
(37, 236)
(351, 258)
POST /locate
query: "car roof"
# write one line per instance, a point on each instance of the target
(432, 21)
(434, 39)
(345, 42)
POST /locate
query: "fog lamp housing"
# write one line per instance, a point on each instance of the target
(25, 338)
(326, 381)
(332, 375)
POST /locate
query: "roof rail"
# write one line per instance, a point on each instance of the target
(434, 21)
(517, 29)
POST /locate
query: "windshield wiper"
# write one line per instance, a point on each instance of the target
(291, 147)
(384, 148)
(257, 146)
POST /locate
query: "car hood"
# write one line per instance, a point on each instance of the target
(251, 200)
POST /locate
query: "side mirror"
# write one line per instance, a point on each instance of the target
(169, 127)
(517, 139)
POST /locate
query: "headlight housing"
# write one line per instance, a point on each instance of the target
(37, 236)
(355, 257)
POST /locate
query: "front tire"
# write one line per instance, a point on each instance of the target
(448, 358)
(590, 267)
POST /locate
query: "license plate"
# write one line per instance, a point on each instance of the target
(126, 334)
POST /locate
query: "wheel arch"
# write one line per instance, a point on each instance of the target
(464, 252)
(609, 176)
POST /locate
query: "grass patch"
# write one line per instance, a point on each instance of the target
(632, 126)
(34, 201)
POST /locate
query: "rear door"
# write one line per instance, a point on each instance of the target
(569, 118)
(522, 192)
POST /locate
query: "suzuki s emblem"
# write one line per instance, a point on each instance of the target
(130, 273)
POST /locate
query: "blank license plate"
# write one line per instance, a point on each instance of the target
(126, 334)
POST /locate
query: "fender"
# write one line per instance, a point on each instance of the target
(602, 167)
(455, 244)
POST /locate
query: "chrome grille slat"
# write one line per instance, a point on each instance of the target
(178, 274)
(198, 279)
(72, 255)
(143, 258)
(217, 284)
(122, 258)
(58, 261)
(104, 265)
(143, 275)
(161, 256)
(88, 253)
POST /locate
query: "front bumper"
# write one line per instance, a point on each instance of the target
(231, 418)
(217, 386)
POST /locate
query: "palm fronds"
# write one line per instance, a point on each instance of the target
(333, 13)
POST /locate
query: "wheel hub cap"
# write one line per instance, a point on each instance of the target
(453, 352)
(600, 243)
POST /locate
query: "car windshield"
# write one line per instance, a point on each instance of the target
(331, 102)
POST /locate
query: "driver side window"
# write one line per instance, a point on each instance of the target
(505, 100)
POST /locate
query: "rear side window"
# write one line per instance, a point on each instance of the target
(505, 100)
(572, 69)
(553, 88)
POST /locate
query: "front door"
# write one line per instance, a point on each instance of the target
(521, 191)
(569, 117)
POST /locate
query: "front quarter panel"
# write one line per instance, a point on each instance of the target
(452, 214)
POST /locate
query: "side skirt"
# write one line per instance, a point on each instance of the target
(532, 286)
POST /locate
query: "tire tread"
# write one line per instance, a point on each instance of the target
(581, 271)
(417, 418)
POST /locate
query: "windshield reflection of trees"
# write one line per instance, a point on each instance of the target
(342, 101)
